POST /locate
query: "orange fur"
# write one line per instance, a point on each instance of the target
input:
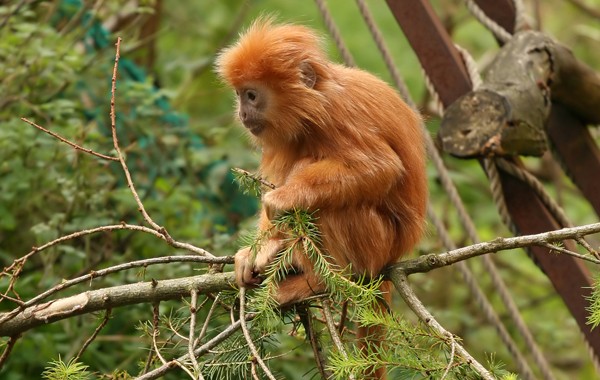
(334, 140)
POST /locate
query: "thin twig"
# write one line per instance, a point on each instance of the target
(255, 177)
(193, 304)
(306, 318)
(68, 142)
(206, 321)
(113, 126)
(400, 281)
(113, 227)
(205, 348)
(156, 331)
(333, 332)
(248, 337)
(8, 349)
(555, 248)
(452, 354)
(253, 371)
(95, 334)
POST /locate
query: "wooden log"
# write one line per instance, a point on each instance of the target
(507, 115)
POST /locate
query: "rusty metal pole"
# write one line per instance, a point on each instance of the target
(442, 64)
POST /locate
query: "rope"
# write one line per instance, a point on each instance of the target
(387, 57)
(468, 276)
(555, 210)
(498, 31)
(520, 19)
(335, 33)
(497, 195)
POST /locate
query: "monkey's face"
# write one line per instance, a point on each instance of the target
(253, 102)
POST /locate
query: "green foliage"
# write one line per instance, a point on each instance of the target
(72, 370)
(303, 238)
(594, 308)
(408, 351)
(248, 183)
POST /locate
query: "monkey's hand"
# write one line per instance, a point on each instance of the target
(249, 270)
(244, 269)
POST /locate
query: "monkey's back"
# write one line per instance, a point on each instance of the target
(372, 235)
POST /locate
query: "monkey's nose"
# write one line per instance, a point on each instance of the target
(243, 115)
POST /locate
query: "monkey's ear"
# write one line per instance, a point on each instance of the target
(308, 74)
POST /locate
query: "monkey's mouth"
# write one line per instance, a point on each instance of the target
(254, 127)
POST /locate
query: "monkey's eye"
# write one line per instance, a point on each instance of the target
(251, 94)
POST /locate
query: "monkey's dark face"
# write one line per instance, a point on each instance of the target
(252, 106)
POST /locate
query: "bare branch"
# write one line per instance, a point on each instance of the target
(193, 310)
(114, 227)
(101, 299)
(400, 281)
(8, 349)
(248, 337)
(117, 268)
(113, 126)
(68, 142)
(162, 370)
(333, 332)
(428, 262)
(94, 335)
(206, 321)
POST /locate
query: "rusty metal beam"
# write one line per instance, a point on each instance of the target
(439, 59)
(433, 47)
(578, 152)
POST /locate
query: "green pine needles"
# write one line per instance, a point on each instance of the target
(410, 350)
(594, 308)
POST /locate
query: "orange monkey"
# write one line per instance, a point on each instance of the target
(335, 140)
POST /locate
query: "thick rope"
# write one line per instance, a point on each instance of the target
(498, 31)
(520, 19)
(387, 57)
(468, 276)
(335, 33)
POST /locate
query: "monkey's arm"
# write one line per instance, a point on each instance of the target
(358, 176)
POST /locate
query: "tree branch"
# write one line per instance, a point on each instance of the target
(400, 281)
(108, 298)
(428, 262)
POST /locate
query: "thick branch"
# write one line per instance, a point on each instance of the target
(108, 298)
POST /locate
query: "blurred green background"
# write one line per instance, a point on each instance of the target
(176, 125)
